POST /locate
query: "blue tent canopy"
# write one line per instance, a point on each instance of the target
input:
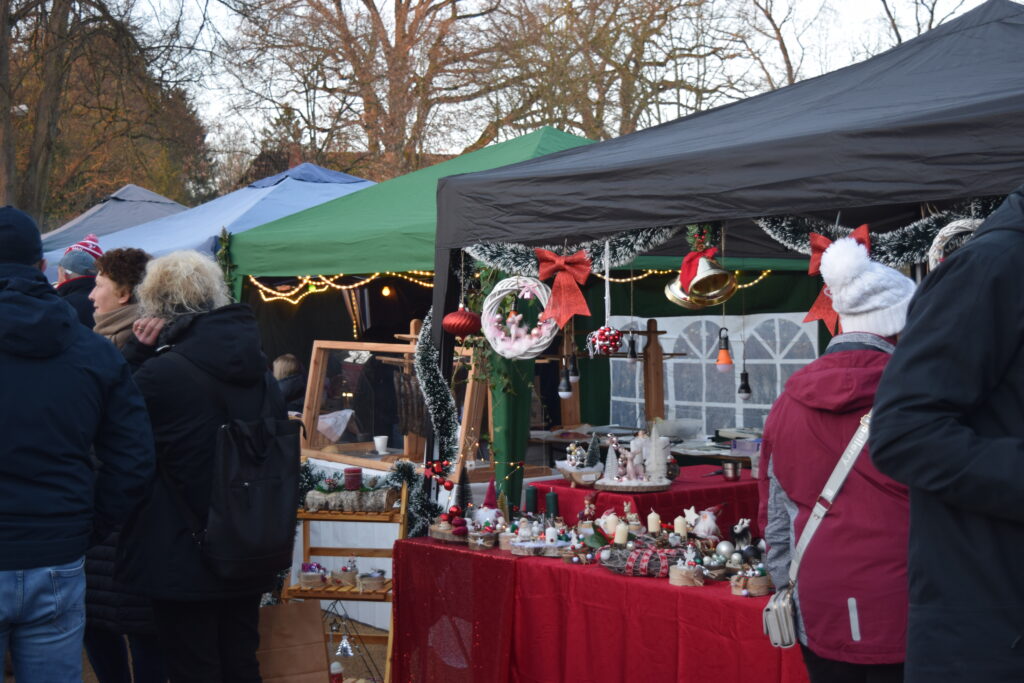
(265, 200)
(131, 205)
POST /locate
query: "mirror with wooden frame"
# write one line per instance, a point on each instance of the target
(360, 390)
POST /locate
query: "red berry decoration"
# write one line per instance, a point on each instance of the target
(449, 485)
(461, 323)
(444, 517)
(445, 463)
(604, 340)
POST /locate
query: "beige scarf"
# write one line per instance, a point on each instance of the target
(117, 325)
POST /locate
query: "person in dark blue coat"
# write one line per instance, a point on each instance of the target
(949, 423)
(75, 458)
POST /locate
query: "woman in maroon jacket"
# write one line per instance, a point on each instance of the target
(852, 586)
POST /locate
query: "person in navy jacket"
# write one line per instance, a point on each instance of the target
(75, 458)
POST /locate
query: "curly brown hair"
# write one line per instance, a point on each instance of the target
(125, 267)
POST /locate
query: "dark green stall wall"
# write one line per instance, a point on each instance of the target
(780, 292)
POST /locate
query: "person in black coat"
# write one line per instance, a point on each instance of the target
(949, 423)
(207, 625)
(76, 456)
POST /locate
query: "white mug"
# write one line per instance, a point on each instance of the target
(380, 443)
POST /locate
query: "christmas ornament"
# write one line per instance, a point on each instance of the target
(454, 511)
(604, 340)
(448, 484)
(962, 228)
(569, 272)
(506, 334)
(461, 323)
(701, 282)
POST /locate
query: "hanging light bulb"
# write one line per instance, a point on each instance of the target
(574, 369)
(631, 355)
(724, 362)
(744, 391)
(565, 384)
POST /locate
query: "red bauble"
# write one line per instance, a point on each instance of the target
(454, 511)
(445, 463)
(437, 468)
(444, 517)
(461, 323)
(605, 340)
(449, 485)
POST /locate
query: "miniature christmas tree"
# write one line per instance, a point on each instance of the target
(594, 451)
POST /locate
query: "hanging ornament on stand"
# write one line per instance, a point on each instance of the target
(462, 322)
(506, 333)
(605, 340)
(701, 282)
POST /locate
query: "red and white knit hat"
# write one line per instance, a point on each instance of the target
(80, 257)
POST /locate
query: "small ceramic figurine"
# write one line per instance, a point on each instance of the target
(707, 524)
(741, 536)
(587, 514)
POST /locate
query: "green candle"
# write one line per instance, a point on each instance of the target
(551, 503)
(531, 499)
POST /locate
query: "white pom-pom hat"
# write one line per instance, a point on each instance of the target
(868, 296)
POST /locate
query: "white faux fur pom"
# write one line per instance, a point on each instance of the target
(844, 260)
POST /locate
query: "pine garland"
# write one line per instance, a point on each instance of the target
(439, 399)
(900, 247)
(519, 259)
(421, 508)
(309, 479)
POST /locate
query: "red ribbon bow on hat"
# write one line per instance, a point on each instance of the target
(822, 308)
(566, 298)
(691, 261)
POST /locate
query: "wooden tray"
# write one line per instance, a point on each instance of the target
(446, 535)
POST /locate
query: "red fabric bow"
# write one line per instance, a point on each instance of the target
(822, 308)
(688, 270)
(566, 298)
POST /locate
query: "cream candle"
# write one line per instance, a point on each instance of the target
(679, 526)
(621, 533)
(653, 523)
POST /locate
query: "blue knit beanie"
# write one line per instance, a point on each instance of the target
(19, 238)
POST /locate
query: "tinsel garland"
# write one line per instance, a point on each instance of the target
(421, 508)
(439, 399)
(900, 247)
(309, 479)
(519, 259)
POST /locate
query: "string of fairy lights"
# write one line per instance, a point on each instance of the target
(318, 284)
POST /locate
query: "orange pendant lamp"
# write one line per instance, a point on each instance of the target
(724, 362)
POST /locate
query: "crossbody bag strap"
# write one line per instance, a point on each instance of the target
(829, 493)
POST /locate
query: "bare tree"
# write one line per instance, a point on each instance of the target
(773, 34)
(919, 17)
(603, 68)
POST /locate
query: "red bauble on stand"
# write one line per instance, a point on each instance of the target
(604, 340)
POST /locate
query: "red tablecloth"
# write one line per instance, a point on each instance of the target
(689, 488)
(540, 620)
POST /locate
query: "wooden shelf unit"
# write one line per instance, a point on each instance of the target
(383, 594)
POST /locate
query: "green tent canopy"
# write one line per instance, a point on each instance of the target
(387, 227)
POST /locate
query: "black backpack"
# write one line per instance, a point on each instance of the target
(249, 529)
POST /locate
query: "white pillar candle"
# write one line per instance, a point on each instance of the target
(622, 533)
(551, 534)
(653, 523)
(611, 523)
(679, 525)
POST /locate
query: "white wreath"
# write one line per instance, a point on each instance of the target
(937, 252)
(507, 335)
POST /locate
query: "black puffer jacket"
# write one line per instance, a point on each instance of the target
(949, 423)
(156, 555)
(108, 605)
(76, 292)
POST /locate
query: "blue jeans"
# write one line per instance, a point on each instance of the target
(42, 617)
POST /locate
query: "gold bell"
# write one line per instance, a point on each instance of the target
(710, 286)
